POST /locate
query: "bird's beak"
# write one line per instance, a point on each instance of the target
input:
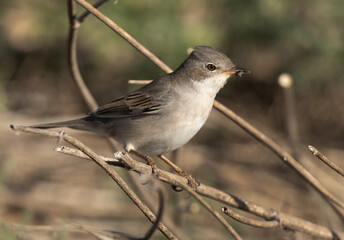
(237, 71)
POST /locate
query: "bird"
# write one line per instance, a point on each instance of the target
(166, 113)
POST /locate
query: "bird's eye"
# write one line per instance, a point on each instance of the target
(211, 67)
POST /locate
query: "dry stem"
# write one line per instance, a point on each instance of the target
(248, 221)
(327, 161)
(107, 168)
(286, 221)
(72, 57)
(274, 147)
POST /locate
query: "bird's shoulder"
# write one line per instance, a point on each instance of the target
(149, 99)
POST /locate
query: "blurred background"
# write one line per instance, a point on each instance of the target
(304, 39)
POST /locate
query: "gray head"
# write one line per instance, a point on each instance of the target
(207, 62)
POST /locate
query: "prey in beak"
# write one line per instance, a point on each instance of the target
(236, 71)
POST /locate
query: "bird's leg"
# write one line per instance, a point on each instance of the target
(192, 182)
(147, 158)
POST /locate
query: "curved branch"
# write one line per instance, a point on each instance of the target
(248, 221)
(74, 25)
(150, 232)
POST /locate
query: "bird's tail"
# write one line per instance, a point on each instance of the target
(76, 124)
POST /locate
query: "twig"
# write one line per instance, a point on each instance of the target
(74, 68)
(323, 158)
(216, 214)
(124, 35)
(150, 232)
(75, 23)
(73, 59)
(175, 167)
(110, 171)
(176, 199)
(284, 156)
(82, 17)
(289, 222)
(140, 82)
(77, 153)
(229, 228)
(248, 221)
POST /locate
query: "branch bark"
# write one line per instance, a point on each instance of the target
(274, 147)
(106, 167)
(327, 161)
(286, 221)
(74, 25)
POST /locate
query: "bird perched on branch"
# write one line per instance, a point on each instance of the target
(165, 114)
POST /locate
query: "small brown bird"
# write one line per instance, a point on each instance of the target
(165, 114)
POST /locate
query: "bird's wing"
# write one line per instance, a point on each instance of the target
(134, 104)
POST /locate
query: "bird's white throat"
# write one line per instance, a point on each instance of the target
(211, 85)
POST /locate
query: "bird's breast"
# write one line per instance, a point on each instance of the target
(187, 118)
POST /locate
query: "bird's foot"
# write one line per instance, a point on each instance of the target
(192, 182)
(152, 164)
(150, 161)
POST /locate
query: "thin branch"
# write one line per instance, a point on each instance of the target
(140, 82)
(154, 168)
(284, 156)
(215, 213)
(175, 167)
(107, 168)
(73, 59)
(150, 232)
(124, 35)
(289, 222)
(329, 163)
(74, 68)
(77, 153)
(248, 221)
(229, 228)
(82, 17)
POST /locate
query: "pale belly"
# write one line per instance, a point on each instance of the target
(173, 131)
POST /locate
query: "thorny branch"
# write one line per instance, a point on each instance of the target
(124, 160)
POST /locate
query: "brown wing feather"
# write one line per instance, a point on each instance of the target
(130, 105)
